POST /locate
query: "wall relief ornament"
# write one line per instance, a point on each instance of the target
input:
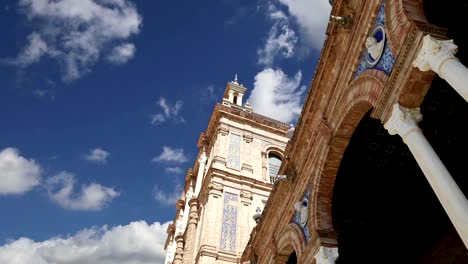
(375, 45)
(377, 54)
(301, 210)
(301, 216)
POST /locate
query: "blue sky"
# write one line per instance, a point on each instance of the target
(102, 103)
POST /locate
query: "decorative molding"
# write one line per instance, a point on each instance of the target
(248, 138)
(223, 130)
(247, 167)
(246, 197)
(382, 107)
(215, 189)
(220, 160)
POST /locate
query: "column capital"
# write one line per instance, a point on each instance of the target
(202, 159)
(434, 53)
(403, 121)
(193, 203)
(326, 255)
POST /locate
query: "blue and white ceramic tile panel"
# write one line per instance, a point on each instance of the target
(229, 227)
(387, 59)
(234, 152)
(296, 220)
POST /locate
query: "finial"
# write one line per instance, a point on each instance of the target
(235, 79)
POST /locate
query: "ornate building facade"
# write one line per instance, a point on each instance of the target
(368, 180)
(229, 183)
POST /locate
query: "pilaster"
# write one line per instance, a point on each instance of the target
(190, 232)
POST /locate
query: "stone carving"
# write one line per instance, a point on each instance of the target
(215, 189)
(434, 53)
(326, 255)
(246, 195)
(247, 167)
(223, 130)
(403, 121)
(301, 209)
(247, 138)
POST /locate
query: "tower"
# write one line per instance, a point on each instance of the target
(229, 182)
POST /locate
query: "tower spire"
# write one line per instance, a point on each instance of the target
(236, 81)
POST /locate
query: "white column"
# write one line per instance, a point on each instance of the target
(201, 172)
(188, 196)
(326, 255)
(239, 99)
(231, 96)
(404, 123)
(439, 56)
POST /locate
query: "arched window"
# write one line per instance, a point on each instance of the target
(292, 258)
(235, 99)
(274, 163)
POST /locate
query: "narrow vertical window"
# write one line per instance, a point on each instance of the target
(234, 152)
(274, 163)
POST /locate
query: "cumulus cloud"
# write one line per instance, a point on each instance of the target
(169, 154)
(169, 112)
(77, 33)
(135, 243)
(276, 95)
(164, 198)
(93, 197)
(17, 174)
(312, 17)
(174, 170)
(281, 40)
(97, 155)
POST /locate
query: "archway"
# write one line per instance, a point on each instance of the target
(384, 210)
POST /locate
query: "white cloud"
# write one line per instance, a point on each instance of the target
(33, 52)
(17, 174)
(167, 198)
(174, 170)
(276, 95)
(98, 155)
(281, 40)
(92, 197)
(76, 33)
(169, 112)
(122, 54)
(135, 243)
(312, 17)
(169, 154)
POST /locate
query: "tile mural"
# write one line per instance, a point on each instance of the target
(234, 152)
(229, 227)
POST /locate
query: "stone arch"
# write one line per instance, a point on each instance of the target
(274, 149)
(360, 96)
(400, 16)
(291, 239)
